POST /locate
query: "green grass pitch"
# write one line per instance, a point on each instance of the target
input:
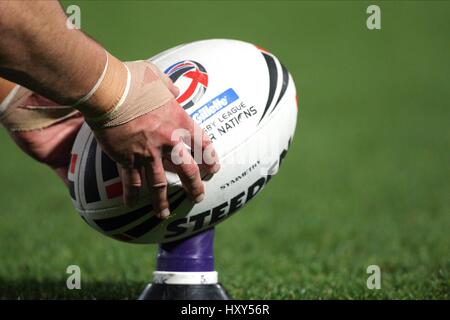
(367, 179)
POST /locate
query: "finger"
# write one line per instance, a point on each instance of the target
(170, 167)
(132, 182)
(168, 82)
(203, 149)
(210, 157)
(189, 174)
(157, 185)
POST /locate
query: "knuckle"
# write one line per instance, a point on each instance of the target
(156, 186)
(159, 185)
(127, 162)
(134, 184)
(158, 173)
(192, 172)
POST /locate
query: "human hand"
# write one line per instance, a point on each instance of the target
(143, 144)
(51, 144)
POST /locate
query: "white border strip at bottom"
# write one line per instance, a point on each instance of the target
(169, 277)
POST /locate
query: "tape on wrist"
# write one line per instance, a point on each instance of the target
(97, 84)
(29, 118)
(124, 92)
(8, 91)
(18, 113)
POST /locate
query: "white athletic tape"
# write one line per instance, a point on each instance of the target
(19, 114)
(97, 84)
(9, 98)
(145, 90)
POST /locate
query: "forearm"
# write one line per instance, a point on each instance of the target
(38, 51)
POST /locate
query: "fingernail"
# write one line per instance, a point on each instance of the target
(199, 198)
(164, 214)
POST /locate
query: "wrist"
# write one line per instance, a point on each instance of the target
(107, 92)
(124, 92)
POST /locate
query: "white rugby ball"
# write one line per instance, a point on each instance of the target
(244, 99)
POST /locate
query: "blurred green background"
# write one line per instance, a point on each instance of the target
(367, 179)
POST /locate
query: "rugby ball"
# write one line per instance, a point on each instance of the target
(243, 98)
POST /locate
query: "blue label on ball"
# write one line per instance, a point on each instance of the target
(214, 105)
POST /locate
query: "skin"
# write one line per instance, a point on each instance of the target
(51, 145)
(39, 52)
